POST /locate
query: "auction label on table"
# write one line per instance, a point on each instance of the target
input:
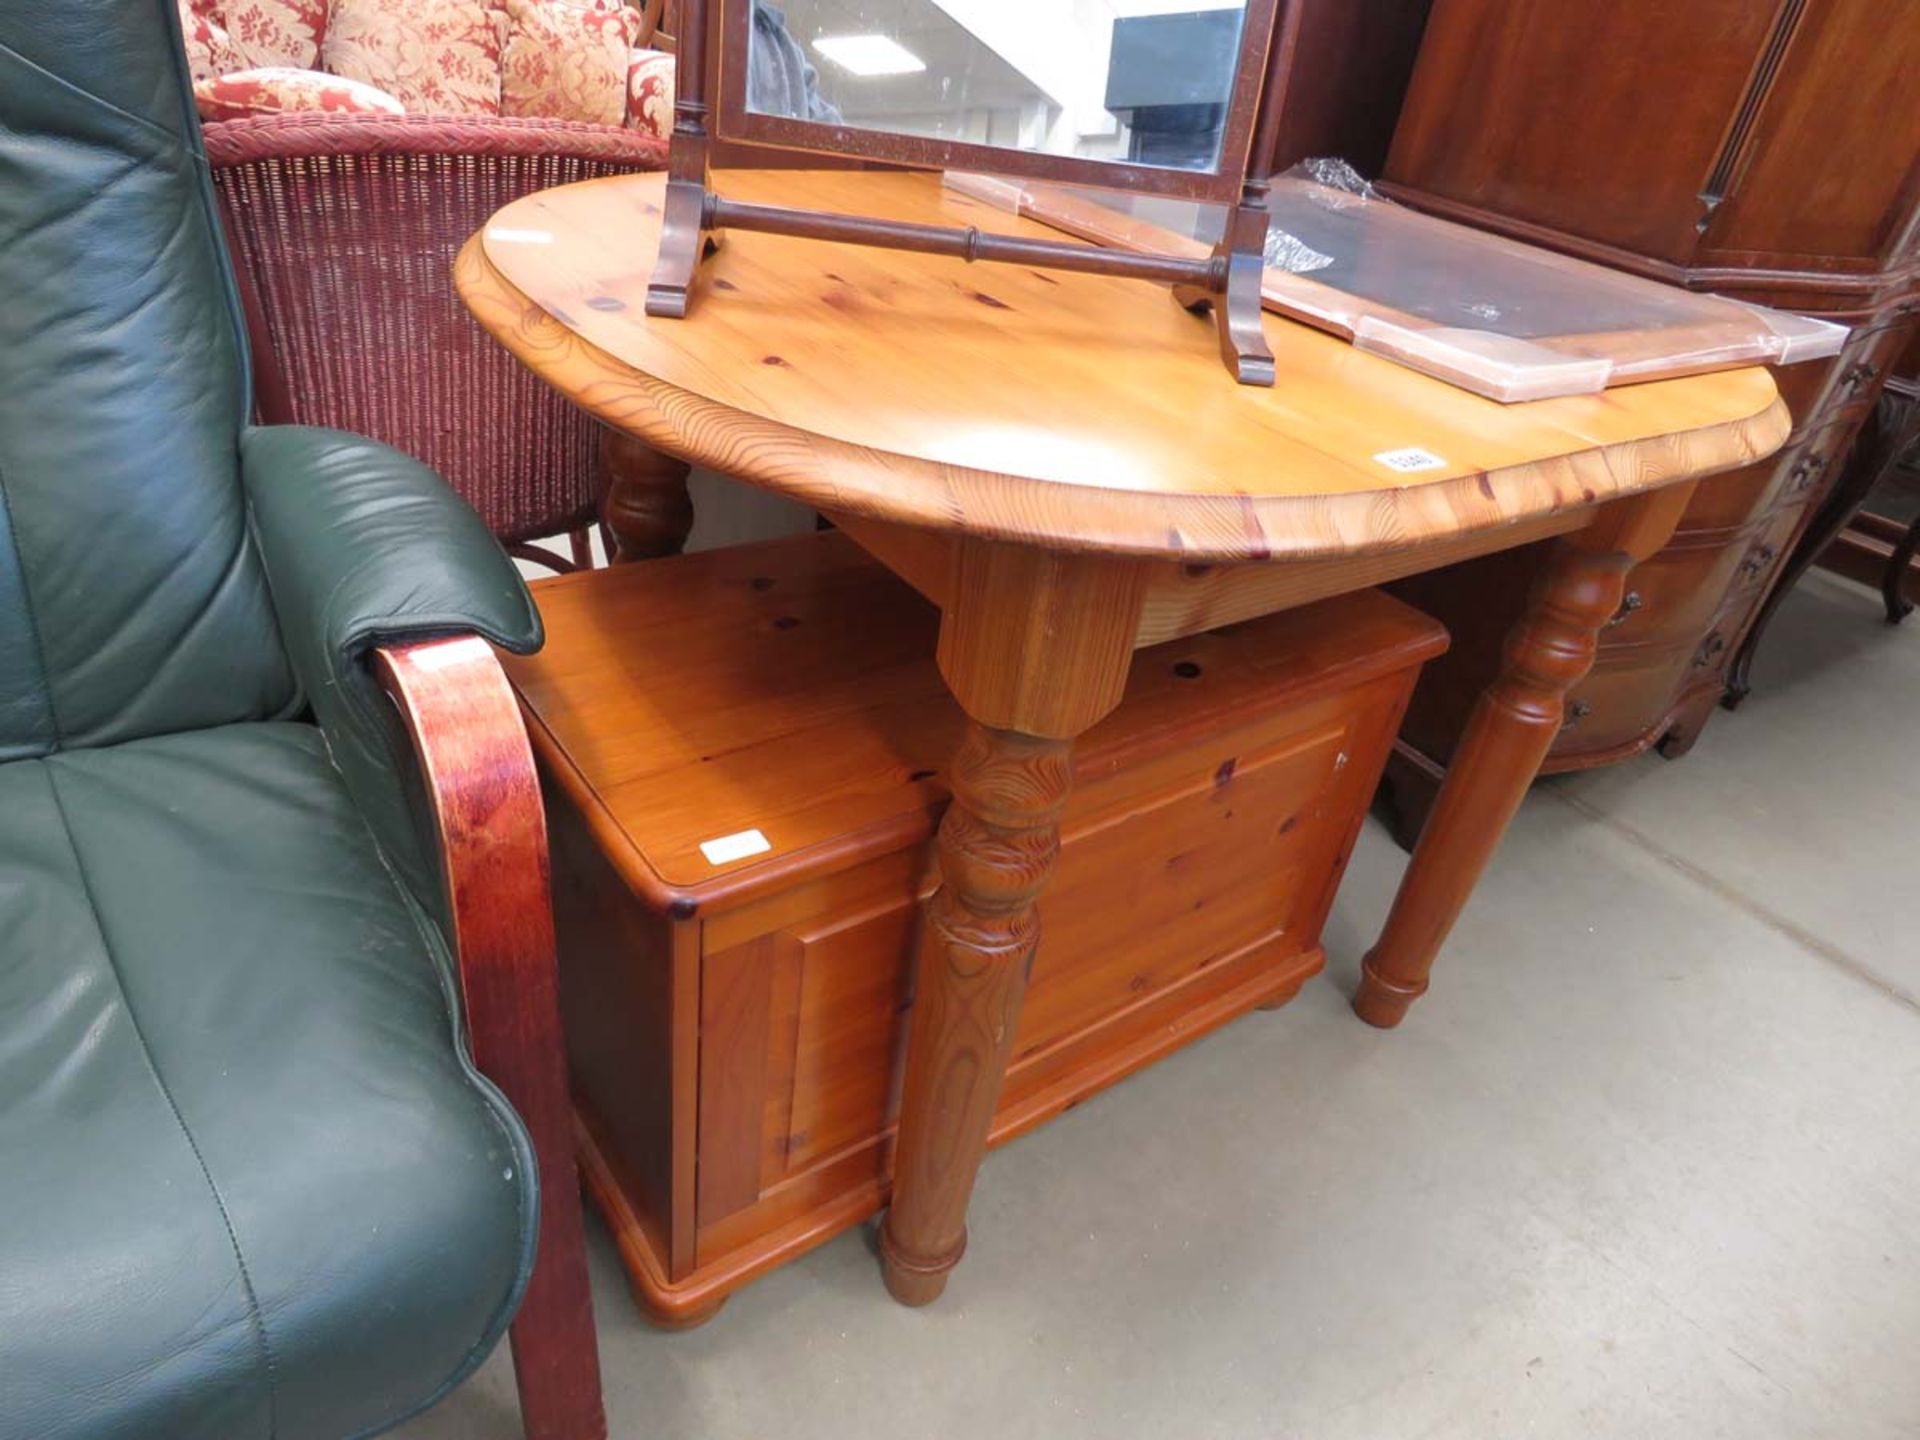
(735, 847)
(1410, 461)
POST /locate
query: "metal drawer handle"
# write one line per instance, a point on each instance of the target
(1859, 375)
(1632, 603)
(1576, 712)
(1758, 559)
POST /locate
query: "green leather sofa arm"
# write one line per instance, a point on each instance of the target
(365, 547)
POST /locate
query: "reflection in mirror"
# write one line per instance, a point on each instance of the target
(1146, 81)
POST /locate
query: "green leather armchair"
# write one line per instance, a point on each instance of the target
(280, 1074)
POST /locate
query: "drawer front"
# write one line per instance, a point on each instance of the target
(1864, 366)
(1671, 595)
(1725, 502)
(1802, 387)
(1828, 399)
(1765, 552)
(1622, 699)
(1684, 610)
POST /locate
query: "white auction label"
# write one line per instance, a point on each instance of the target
(1410, 461)
(735, 847)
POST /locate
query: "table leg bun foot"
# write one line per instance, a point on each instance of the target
(910, 1280)
(1380, 1002)
(1284, 998)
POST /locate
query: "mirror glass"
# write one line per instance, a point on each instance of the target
(1146, 81)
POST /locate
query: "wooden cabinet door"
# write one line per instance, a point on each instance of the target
(1824, 173)
(1597, 118)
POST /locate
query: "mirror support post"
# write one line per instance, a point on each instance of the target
(684, 240)
(1227, 282)
(1238, 260)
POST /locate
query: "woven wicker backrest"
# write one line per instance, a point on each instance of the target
(345, 230)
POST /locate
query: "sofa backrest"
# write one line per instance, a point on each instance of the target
(131, 600)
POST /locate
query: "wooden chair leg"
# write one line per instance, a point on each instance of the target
(580, 541)
(478, 767)
(545, 558)
(1893, 581)
(556, 1363)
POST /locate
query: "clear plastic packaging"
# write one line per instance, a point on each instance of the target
(1495, 316)
(1501, 318)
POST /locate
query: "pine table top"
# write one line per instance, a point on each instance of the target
(1075, 412)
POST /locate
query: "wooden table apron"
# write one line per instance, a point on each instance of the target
(869, 384)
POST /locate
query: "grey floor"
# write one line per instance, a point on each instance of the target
(1645, 1163)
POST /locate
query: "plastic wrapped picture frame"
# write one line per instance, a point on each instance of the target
(1494, 316)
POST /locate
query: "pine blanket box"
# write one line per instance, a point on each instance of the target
(742, 753)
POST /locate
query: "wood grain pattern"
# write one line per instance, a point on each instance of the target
(1773, 151)
(1234, 773)
(1035, 640)
(718, 748)
(1078, 412)
(1067, 431)
(1185, 599)
(1548, 653)
(1512, 99)
(485, 799)
(645, 506)
(736, 999)
(1349, 70)
(997, 849)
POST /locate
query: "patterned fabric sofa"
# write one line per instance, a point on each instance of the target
(590, 61)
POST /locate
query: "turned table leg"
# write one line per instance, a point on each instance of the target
(996, 848)
(1507, 738)
(1036, 648)
(646, 505)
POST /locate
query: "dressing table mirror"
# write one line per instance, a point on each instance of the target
(1147, 97)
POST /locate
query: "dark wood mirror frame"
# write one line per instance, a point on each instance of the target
(711, 59)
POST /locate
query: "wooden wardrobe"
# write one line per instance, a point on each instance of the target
(1767, 150)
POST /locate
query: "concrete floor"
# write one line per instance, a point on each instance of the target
(1646, 1162)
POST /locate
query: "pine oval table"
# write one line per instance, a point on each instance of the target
(1059, 462)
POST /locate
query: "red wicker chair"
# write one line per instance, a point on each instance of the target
(343, 230)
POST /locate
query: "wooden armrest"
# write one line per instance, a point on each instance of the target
(472, 747)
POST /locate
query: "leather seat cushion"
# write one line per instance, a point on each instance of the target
(253, 1187)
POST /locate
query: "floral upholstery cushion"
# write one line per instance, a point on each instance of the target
(650, 92)
(437, 56)
(276, 33)
(210, 49)
(567, 61)
(562, 59)
(281, 90)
